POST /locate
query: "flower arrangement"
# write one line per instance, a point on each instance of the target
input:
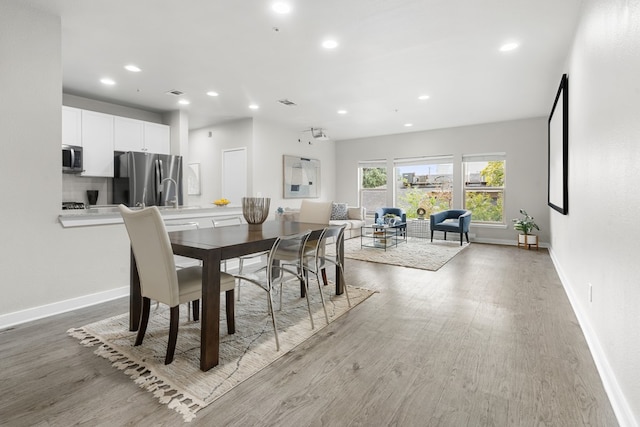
(221, 202)
(279, 211)
(525, 224)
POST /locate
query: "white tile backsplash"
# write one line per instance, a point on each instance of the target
(74, 188)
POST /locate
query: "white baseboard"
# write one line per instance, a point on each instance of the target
(35, 313)
(508, 242)
(612, 388)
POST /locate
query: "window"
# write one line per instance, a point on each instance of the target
(484, 182)
(372, 184)
(424, 182)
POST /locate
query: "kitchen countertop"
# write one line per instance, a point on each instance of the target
(110, 214)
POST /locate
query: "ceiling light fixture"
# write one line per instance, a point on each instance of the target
(329, 44)
(184, 102)
(212, 93)
(423, 97)
(281, 7)
(107, 81)
(254, 106)
(408, 125)
(132, 68)
(508, 47)
(342, 111)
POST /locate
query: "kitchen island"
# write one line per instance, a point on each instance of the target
(110, 214)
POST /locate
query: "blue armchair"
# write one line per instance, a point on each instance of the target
(453, 220)
(381, 212)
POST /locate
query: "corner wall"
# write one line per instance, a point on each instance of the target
(596, 243)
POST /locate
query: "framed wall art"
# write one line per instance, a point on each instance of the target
(301, 177)
(559, 149)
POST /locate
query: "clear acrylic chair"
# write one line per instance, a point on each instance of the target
(230, 221)
(316, 260)
(284, 264)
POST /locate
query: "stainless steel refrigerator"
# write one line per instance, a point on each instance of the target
(146, 179)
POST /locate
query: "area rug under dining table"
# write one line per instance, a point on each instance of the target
(414, 253)
(182, 385)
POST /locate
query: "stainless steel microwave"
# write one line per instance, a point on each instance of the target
(71, 159)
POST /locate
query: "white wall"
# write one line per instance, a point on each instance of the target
(596, 243)
(266, 143)
(524, 141)
(41, 263)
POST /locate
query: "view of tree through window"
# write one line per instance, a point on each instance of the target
(373, 187)
(423, 183)
(484, 189)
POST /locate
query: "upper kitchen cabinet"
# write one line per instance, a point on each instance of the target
(97, 143)
(71, 126)
(157, 138)
(137, 135)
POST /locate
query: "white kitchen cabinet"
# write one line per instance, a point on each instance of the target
(128, 134)
(157, 138)
(71, 126)
(97, 143)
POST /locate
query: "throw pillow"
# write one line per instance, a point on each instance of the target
(339, 211)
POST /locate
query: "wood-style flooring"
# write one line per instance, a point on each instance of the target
(488, 340)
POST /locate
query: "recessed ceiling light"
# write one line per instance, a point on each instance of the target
(212, 93)
(329, 44)
(342, 111)
(281, 7)
(184, 102)
(423, 97)
(254, 106)
(508, 47)
(107, 81)
(408, 125)
(132, 68)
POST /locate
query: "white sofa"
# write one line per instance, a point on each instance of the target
(355, 220)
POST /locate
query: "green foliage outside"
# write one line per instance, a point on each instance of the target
(485, 206)
(431, 202)
(374, 177)
(493, 173)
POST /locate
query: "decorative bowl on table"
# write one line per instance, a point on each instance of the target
(255, 211)
(221, 202)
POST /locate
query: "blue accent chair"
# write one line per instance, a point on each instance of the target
(453, 220)
(381, 212)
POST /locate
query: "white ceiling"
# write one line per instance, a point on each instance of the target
(390, 52)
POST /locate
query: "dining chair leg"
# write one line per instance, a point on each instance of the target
(144, 320)
(324, 307)
(306, 293)
(273, 320)
(173, 334)
(230, 310)
(196, 309)
(344, 284)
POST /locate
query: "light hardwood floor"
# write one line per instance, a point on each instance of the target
(488, 340)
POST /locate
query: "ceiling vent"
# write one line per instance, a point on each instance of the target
(287, 102)
(175, 92)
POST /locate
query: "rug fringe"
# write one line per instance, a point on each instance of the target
(143, 377)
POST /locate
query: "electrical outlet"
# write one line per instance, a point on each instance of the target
(590, 292)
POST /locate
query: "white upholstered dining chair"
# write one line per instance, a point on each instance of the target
(159, 278)
(315, 212)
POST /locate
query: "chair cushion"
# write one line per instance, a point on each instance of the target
(348, 223)
(190, 283)
(448, 225)
(339, 211)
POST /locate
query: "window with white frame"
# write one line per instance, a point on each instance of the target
(423, 182)
(372, 184)
(484, 184)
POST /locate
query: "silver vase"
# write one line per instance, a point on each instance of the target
(255, 211)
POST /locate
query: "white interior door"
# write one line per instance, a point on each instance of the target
(234, 175)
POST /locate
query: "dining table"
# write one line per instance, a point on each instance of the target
(211, 246)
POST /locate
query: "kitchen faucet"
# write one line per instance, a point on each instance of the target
(175, 200)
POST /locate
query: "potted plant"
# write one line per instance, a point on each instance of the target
(525, 225)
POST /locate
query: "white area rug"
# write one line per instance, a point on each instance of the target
(415, 253)
(182, 385)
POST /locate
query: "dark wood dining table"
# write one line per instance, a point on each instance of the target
(212, 245)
